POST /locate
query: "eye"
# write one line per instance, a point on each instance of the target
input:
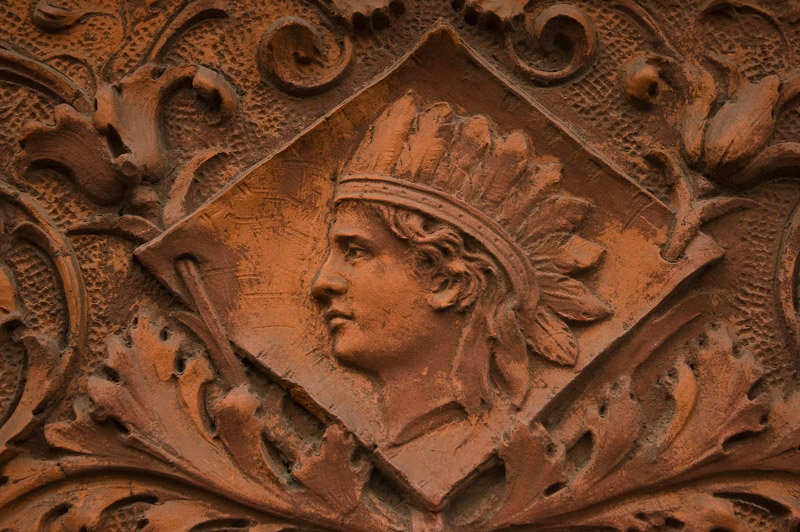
(353, 252)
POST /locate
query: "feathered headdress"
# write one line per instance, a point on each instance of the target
(457, 170)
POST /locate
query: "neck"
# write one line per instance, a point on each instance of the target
(419, 398)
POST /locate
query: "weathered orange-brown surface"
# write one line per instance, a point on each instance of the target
(408, 265)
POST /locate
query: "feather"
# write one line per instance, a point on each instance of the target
(461, 171)
(545, 179)
(568, 253)
(511, 354)
(504, 167)
(426, 145)
(548, 336)
(381, 146)
(569, 298)
(471, 367)
(555, 214)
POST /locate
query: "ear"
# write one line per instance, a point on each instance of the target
(446, 294)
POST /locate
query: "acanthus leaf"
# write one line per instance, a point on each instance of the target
(742, 126)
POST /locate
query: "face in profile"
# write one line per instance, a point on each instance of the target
(439, 280)
(379, 310)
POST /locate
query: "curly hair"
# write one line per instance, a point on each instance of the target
(442, 252)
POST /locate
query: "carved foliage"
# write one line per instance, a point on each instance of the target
(603, 453)
(212, 436)
(47, 355)
(121, 145)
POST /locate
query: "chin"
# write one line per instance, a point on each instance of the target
(353, 356)
(346, 353)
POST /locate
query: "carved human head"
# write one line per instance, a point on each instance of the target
(451, 239)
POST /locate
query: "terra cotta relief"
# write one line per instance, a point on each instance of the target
(407, 265)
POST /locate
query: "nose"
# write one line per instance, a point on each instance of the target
(328, 283)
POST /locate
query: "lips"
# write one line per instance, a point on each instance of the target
(335, 318)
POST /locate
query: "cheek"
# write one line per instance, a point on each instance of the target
(384, 296)
(403, 303)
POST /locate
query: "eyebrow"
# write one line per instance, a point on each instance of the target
(349, 236)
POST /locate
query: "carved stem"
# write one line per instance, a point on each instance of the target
(221, 353)
(26, 71)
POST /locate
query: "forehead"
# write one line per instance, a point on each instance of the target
(354, 217)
